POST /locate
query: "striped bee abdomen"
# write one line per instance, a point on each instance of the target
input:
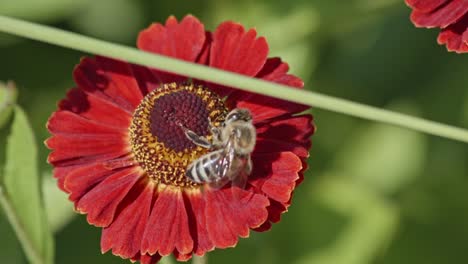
(207, 168)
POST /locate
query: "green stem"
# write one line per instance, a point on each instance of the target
(87, 44)
(26, 243)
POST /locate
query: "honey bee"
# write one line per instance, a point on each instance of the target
(229, 160)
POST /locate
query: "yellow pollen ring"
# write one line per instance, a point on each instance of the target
(161, 163)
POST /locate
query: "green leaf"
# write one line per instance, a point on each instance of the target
(8, 95)
(21, 197)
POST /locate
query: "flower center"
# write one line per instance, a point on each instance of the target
(157, 138)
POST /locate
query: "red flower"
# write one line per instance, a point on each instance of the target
(449, 15)
(119, 152)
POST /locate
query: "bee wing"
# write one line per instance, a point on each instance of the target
(223, 167)
(219, 183)
(240, 180)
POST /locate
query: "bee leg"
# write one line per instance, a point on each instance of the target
(216, 132)
(248, 166)
(196, 139)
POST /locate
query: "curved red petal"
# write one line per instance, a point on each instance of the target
(455, 36)
(81, 179)
(425, 5)
(275, 210)
(275, 70)
(79, 171)
(146, 259)
(61, 173)
(465, 34)
(265, 107)
(182, 257)
(66, 122)
(231, 213)
(109, 79)
(441, 17)
(145, 78)
(100, 203)
(290, 128)
(268, 145)
(95, 108)
(289, 133)
(275, 174)
(238, 51)
(124, 235)
(197, 220)
(184, 40)
(67, 147)
(204, 56)
(168, 227)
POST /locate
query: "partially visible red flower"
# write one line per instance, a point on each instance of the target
(119, 152)
(449, 15)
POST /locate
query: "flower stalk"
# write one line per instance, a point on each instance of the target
(86, 44)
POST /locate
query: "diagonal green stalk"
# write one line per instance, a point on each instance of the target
(133, 55)
(27, 244)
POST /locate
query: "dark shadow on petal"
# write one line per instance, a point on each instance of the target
(76, 101)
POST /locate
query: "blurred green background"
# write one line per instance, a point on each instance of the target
(373, 193)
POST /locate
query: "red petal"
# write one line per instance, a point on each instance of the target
(465, 35)
(231, 212)
(182, 40)
(276, 71)
(275, 174)
(101, 202)
(456, 36)
(124, 235)
(95, 108)
(198, 222)
(425, 5)
(289, 133)
(67, 122)
(145, 78)
(265, 107)
(71, 146)
(146, 259)
(109, 79)
(168, 227)
(60, 173)
(64, 169)
(268, 145)
(442, 17)
(79, 181)
(182, 257)
(204, 56)
(275, 210)
(289, 128)
(235, 50)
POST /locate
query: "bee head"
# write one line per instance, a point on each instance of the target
(239, 114)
